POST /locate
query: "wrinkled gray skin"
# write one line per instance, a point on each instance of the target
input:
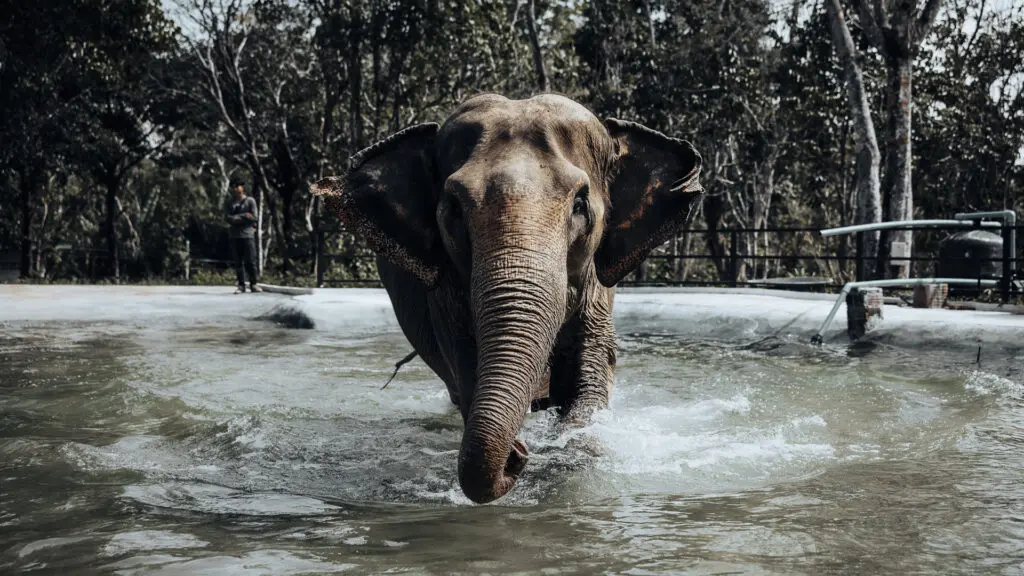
(499, 238)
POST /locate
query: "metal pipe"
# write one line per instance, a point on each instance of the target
(905, 224)
(818, 337)
(1009, 215)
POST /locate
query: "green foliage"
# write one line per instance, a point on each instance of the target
(122, 124)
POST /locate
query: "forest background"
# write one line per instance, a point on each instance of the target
(124, 120)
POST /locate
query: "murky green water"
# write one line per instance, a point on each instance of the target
(170, 440)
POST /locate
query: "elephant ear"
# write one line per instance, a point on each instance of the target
(387, 197)
(653, 189)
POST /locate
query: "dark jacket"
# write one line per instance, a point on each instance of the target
(242, 225)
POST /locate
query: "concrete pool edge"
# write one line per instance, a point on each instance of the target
(713, 313)
(745, 314)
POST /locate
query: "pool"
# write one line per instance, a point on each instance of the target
(173, 431)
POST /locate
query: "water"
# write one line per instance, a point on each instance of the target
(179, 435)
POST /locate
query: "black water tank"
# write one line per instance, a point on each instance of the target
(964, 254)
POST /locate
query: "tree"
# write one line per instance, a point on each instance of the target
(538, 56)
(118, 142)
(74, 86)
(38, 90)
(222, 54)
(896, 29)
(868, 159)
(705, 72)
(969, 138)
(125, 120)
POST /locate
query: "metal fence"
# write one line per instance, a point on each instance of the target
(789, 258)
(810, 261)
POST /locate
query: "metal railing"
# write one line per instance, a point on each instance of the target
(731, 260)
(1008, 274)
(1007, 226)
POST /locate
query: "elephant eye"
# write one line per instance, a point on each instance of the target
(454, 208)
(579, 204)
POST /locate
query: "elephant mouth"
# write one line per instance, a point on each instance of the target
(517, 458)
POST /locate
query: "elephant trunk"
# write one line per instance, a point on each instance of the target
(518, 296)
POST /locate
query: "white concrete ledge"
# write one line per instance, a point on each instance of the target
(721, 314)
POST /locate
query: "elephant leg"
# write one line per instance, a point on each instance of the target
(409, 298)
(583, 362)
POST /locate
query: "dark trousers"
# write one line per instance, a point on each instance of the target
(243, 252)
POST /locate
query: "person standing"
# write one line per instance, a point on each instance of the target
(241, 217)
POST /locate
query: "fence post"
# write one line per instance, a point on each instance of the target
(641, 272)
(734, 261)
(860, 257)
(1009, 254)
(675, 258)
(320, 261)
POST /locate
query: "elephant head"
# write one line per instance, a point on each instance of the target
(525, 205)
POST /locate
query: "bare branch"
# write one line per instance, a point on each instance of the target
(753, 116)
(538, 55)
(216, 92)
(841, 39)
(515, 17)
(977, 28)
(123, 214)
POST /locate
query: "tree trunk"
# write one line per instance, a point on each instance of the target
(39, 263)
(355, 82)
(898, 162)
(113, 182)
(846, 206)
(315, 239)
(28, 181)
(538, 57)
(261, 252)
(276, 227)
(377, 90)
(713, 212)
(649, 16)
(398, 65)
(287, 225)
(763, 207)
(641, 272)
(868, 159)
(684, 272)
(675, 257)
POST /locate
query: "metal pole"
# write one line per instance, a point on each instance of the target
(860, 257)
(1013, 253)
(188, 259)
(818, 338)
(320, 262)
(904, 224)
(1008, 259)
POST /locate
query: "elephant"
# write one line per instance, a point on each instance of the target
(499, 237)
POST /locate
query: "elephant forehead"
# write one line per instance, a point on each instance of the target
(541, 104)
(550, 133)
(498, 174)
